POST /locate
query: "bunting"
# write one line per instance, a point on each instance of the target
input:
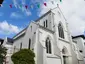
(45, 4)
(38, 5)
(20, 6)
(60, 0)
(26, 6)
(10, 5)
(31, 6)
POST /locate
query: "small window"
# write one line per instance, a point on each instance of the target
(84, 43)
(48, 46)
(46, 23)
(20, 46)
(80, 51)
(29, 43)
(31, 28)
(60, 31)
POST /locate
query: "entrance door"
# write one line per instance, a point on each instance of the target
(65, 60)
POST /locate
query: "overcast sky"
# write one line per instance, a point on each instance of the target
(13, 20)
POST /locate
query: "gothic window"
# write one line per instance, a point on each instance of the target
(63, 51)
(60, 30)
(48, 46)
(46, 23)
(29, 43)
(80, 51)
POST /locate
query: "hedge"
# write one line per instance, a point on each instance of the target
(24, 56)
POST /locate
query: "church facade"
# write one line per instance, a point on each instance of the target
(50, 39)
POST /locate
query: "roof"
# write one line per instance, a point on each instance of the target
(35, 21)
(78, 36)
(10, 40)
(43, 15)
(20, 32)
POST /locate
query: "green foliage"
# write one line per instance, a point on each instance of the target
(2, 54)
(24, 56)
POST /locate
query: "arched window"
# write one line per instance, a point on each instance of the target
(46, 23)
(60, 30)
(29, 43)
(48, 46)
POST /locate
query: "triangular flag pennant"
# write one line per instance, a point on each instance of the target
(20, 6)
(38, 5)
(26, 6)
(52, 2)
(60, 0)
(10, 5)
(45, 4)
(31, 6)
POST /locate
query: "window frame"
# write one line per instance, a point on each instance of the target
(48, 45)
(61, 31)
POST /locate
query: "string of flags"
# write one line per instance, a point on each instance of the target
(26, 6)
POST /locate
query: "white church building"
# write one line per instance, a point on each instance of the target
(50, 39)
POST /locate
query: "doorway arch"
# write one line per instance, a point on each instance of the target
(65, 55)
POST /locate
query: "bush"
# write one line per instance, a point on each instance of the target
(24, 56)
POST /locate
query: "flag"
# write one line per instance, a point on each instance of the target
(45, 4)
(10, 5)
(31, 6)
(60, 0)
(20, 6)
(26, 6)
(38, 5)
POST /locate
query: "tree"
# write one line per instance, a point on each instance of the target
(24, 56)
(2, 54)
